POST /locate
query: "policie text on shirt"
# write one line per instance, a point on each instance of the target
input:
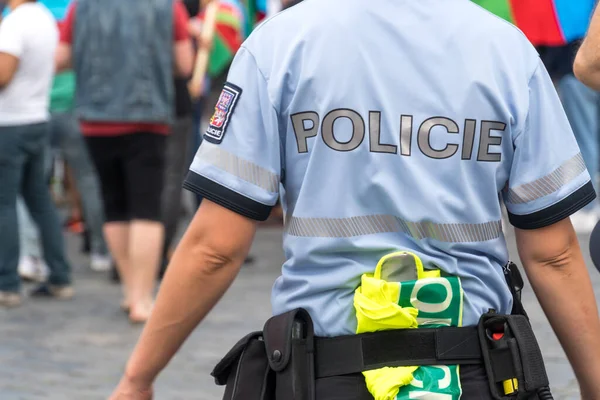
(306, 125)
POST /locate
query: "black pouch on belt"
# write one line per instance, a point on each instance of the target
(290, 343)
(512, 357)
(245, 371)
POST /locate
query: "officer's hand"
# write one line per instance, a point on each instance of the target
(128, 390)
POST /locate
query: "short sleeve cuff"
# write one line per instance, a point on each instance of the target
(226, 197)
(556, 212)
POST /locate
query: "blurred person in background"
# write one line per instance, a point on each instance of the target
(28, 40)
(125, 101)
(197, 12)
(178, 147)
(582, 106)
(86, 199)
(587, 61)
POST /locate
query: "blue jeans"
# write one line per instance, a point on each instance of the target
(29, 238)
(582, 106)
(22, 154)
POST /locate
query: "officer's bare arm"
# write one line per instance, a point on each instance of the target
(203, 267)
(556, 269)
(587, 62)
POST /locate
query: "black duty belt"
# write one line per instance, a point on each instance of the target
(351, 354)
(284, 360)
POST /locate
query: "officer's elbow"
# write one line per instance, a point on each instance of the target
(215, 251)
(213, 259)
(554, 247)
(561, 258)
(587, 70)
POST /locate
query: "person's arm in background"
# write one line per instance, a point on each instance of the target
(63, 58)
(587, 61)
(11, 48)
(183, 50)
(557, 272)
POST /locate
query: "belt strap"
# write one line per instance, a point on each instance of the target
(344, 355)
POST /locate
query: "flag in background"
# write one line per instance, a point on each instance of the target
(229, 35)
(545, 22)
(255, 10)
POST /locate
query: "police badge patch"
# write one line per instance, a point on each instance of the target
(223, 110)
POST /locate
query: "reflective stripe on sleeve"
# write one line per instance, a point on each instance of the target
(240, 168)
(548, 184)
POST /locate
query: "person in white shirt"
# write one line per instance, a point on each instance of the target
(28, 41)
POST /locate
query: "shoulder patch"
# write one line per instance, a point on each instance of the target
(223, 110)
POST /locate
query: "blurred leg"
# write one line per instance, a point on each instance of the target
(28, 233)
(117, 235)
(39, 202)
(145, 239)
(145, 173)
(197, 135)
(86, 180)
(74, 222)
(106, 153)
(175, 170)
(11, 164)
(31, 266)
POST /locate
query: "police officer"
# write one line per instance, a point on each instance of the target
(384, 125)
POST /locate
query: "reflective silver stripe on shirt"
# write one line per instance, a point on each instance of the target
(243, 169)
(371, 224)
(548, 184)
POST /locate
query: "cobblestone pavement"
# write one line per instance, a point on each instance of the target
(76, 350)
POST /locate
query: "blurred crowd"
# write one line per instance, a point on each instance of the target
(98, 126)
(101, 106)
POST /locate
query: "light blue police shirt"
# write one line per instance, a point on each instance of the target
(388, 125)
